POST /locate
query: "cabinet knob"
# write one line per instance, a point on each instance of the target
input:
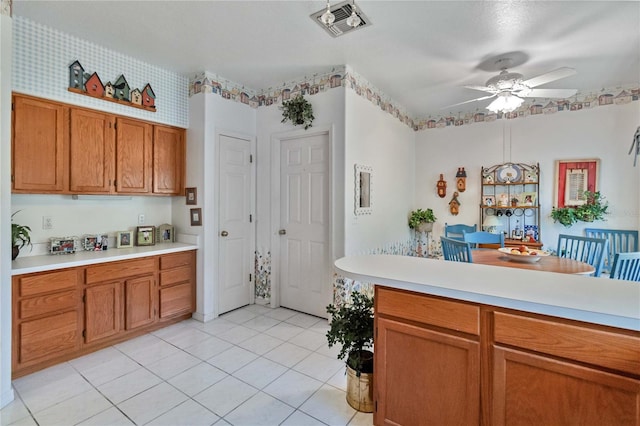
(224, 233)
(282, 232)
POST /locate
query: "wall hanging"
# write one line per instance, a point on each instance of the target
(299, 111)
(83, 83)
(363, 191)
(454, 204)
(441, 187)
(461, 179)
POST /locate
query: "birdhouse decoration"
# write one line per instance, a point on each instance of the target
(76, 76)
(83, 83)
(461, 179)
(441, 187)
(454, 204)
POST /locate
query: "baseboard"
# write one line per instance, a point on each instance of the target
(6, 397)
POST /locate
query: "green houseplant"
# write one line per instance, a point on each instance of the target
(422, 220)
(299, 111)
(352, 326)
(20, 237)
(594, 208)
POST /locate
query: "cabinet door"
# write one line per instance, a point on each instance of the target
(133, 152)
(46, 338)
(425, 377)
(534, 390)
(92, 152)
(168, 160)
(103, 311)
(40, 143)
(140, 301)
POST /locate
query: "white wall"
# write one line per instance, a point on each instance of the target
(377, 139)
(604, 132)
(210, 116)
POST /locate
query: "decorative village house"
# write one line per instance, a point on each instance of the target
(94, 86)
(122, 89)
(148, 96)
(76, 76)
(136, 97)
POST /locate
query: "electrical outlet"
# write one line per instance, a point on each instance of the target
(47, 222)
(141, 219)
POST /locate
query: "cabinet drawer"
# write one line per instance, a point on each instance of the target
(32, 285)
(118, 270)
(48, 337)
(176, 300)
(39, 305)
(175, 260)
(175, 276)
(428, 310)
(594, 346)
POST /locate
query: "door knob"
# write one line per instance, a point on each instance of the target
(224, 233)
(282, 232)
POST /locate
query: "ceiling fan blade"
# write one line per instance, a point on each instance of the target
(469, 101)
(550, 76)
(549, 93)
(482, 88)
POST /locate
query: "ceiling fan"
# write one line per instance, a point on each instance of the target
(509, 88)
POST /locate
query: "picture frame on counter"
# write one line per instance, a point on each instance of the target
(63, 245)
(191, 195)
(124, 239)
(165, 233)
(145, 235)
(196, 217)
(99, 242)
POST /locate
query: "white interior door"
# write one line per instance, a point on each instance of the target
(305, 264)
(235, 220)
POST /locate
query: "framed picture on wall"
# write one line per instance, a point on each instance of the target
(573, 177)
(191, 195)
(196, 217)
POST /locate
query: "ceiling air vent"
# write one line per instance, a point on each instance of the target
(341, 11)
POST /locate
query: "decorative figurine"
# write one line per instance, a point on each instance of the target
(442, 187)
(461, 179)
(454, 204)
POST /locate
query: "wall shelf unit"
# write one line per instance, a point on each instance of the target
(509, 202)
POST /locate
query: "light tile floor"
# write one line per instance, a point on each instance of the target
(252, 366)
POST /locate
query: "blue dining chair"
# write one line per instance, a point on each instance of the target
(455, 250)
(584, 249)
(483, 237)
(626, 266)
(620, 241)
(456, 232)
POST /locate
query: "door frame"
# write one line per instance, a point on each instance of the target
(216, 210)
(276, 144)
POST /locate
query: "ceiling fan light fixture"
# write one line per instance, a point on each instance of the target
(328, 18)
(353, 20)
(505, 102)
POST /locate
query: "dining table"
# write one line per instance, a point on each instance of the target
(549, 263)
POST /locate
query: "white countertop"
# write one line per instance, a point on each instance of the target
(29, 264)
(596, 300)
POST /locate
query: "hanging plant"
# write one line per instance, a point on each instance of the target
(594, 209)
(299, 111)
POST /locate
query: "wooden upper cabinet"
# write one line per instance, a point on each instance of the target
(133, 156)
(168, 160)
(40, 144)
(91, 152)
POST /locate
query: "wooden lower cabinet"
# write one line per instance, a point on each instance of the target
(519, 368)
(62, 314)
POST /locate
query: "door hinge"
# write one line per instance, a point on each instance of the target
(250, 218)
(376, 406)
(84, 299)
(115, 126)
(115, 183)
(84, 333)
(12, 107)
(250, 158)
(250, 277)
(13, 178)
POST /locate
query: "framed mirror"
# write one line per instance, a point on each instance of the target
(363, 197)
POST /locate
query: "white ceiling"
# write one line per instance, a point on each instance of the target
(420, 53)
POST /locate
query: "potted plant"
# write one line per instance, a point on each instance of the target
(20, 237)
(352, 326)
(594, 208)
(422, 220)
(299, 111)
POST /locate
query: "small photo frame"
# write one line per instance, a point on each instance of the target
(146, 235)
(124, 239)
(63, 245)
(191, 194)
(489, 200)
(196, 217)
(165, 233)
(89, 242)
(528, 199)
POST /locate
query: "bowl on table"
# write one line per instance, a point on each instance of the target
(527, 255)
